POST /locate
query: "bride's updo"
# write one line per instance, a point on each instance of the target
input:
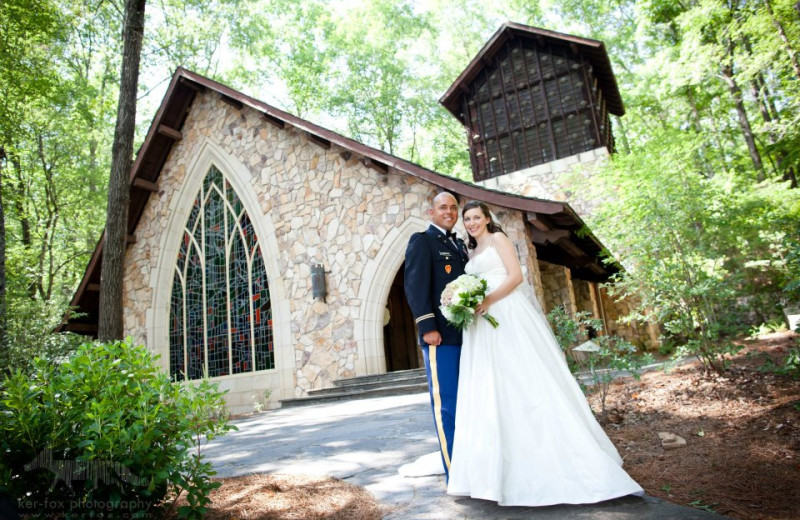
(492, 227)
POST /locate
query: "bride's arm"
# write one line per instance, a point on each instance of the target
(508, 255)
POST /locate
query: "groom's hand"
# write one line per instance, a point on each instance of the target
(432, 338)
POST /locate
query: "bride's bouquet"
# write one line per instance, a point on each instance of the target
(459, 299)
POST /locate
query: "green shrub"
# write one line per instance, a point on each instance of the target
(667, 347)
(106, 434)
(773, 325)
(569, 331)
(30, 335)
(607, 357)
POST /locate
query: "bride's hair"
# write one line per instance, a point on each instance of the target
(492, 227)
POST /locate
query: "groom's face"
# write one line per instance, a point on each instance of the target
(444, 212)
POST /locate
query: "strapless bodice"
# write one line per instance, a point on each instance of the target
(487, 265)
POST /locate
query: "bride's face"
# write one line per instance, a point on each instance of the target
(475, 222)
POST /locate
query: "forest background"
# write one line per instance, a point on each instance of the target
(700, 201)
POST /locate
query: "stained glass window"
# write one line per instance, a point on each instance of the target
(220, 313)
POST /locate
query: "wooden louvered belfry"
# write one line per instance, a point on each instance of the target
(533, 96)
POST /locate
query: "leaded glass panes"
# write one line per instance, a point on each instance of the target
(527, 106)
(220, 314)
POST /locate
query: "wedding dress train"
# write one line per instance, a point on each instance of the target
(524, 434)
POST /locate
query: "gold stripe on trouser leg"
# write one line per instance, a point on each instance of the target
(437, 404)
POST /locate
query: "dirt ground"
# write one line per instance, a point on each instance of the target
(741, 458)
(742, 432)
(290, 497)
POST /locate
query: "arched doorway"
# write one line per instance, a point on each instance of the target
(399, 329)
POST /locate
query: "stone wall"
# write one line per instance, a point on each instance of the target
(644, 335)
(310, 205)
(557, 288)
(586, 297)
(562, 180)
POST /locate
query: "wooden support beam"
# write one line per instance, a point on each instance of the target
(570, 247)
(551, 237)
(593, 267)
(319, 141)
(144, 185)
(235, 103)
(274, 121)
(192, 85)
(94, 287)
(539, 222)
(375, 165)
(173, 134)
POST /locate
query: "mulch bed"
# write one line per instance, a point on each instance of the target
(291, 497)
(742, 432)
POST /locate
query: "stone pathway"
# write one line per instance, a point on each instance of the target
(365, 442)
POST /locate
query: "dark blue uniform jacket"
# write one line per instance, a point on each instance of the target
(432, 261)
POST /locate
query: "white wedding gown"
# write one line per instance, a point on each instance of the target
(524, 434)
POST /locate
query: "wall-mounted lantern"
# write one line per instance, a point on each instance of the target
(318, 289)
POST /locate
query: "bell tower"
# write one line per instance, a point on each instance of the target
(536, 103)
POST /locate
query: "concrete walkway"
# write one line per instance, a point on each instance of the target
(365, 442)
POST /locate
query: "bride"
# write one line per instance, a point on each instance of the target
(524, 433)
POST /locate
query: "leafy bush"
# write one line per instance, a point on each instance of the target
(106, 434)
(769, 327)
(568, 331)
(790, 365)
(707, 254)
(603, 360)
(29, 335)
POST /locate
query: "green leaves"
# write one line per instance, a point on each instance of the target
(606, 356)
(111, 407)
(701, 253)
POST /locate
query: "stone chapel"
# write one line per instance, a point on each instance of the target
(266, 252)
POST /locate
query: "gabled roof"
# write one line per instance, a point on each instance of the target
(559, 234)
(593, 50)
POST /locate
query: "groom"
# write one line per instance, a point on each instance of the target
(433, 259)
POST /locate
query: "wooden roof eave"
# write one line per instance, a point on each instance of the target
(594, 49)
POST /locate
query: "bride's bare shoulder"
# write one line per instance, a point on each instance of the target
(499, 238)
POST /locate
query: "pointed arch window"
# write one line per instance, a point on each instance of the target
(220, 313)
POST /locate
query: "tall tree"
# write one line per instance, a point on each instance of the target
(3, 307)
(27, 30)
(110, 325)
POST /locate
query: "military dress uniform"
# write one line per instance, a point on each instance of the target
(432, 261)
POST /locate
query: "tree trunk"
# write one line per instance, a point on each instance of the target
(20, 204)
(3, 323)
(782, 33)
(704, 163)
(761, 94)
(110, 326)
(744, 122)
(623, 135)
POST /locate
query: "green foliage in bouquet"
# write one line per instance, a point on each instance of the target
(460, 298)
